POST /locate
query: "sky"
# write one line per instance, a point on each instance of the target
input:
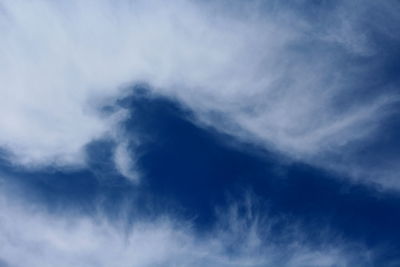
(199, 133)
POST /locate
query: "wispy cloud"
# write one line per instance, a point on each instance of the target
(31, 236)
(124, 162)
(270, 70)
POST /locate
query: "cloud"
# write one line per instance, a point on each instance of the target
(275, 76)
(32, 236)
(124, 162)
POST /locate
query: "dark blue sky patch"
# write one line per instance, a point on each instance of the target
(193, 168)
(190, 172)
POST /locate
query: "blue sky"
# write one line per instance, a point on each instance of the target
(199, 133)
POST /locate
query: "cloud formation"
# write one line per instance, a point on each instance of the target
(269, 72)
(292, 78)
(31, 236)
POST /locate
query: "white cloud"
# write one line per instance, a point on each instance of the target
(32, 237)
(272, 74)
(124, 162)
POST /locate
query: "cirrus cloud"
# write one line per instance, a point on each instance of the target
(275, 77)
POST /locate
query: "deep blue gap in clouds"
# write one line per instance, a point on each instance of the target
(189, 171)
(197, 169)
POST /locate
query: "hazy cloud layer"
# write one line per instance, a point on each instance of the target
(273, 75)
